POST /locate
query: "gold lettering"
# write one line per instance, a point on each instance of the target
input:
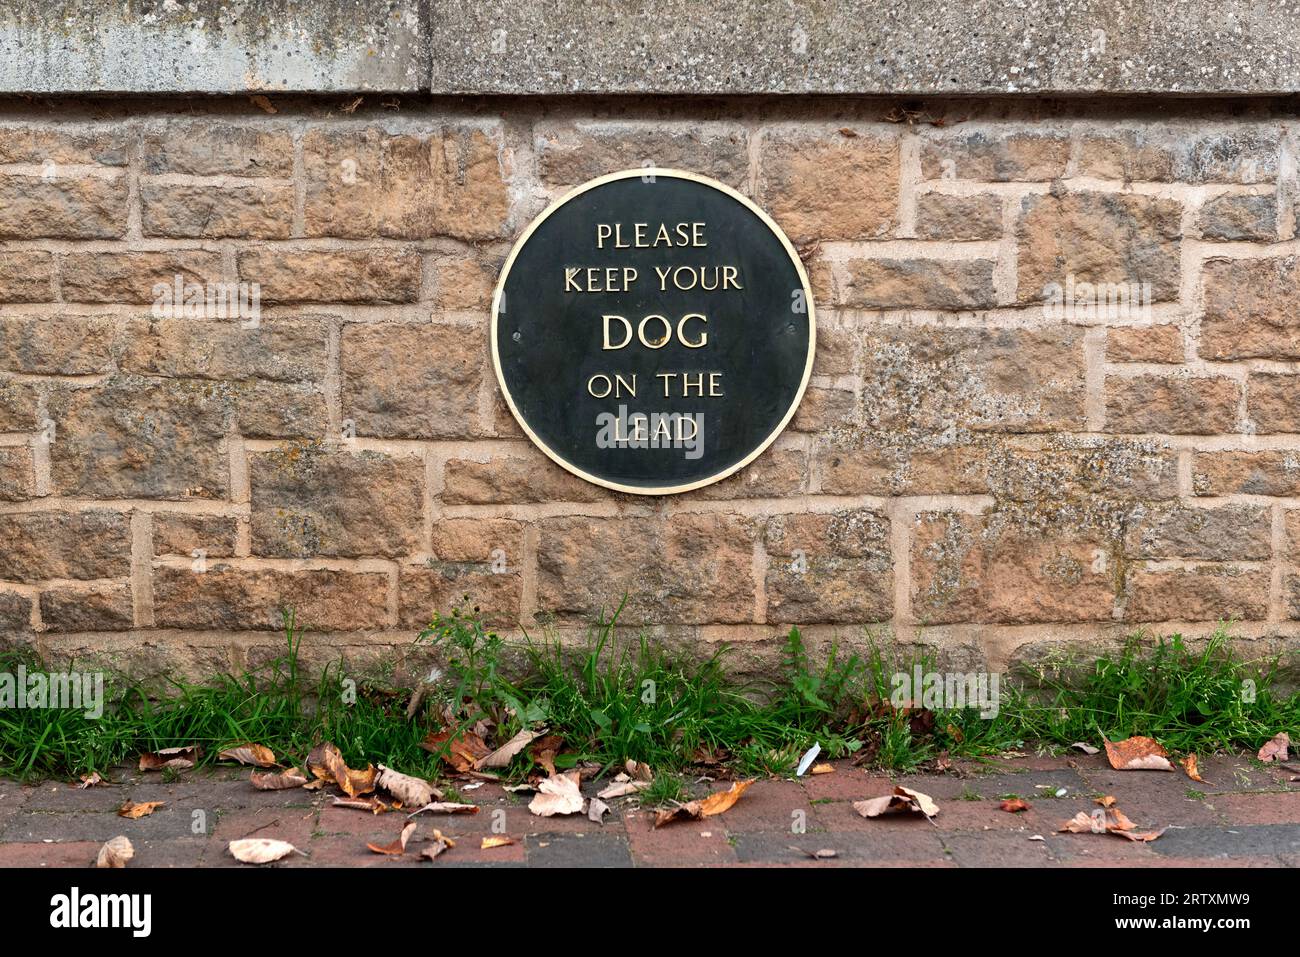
(627, 328)
(703, 339)
(707, 278)
(659, 342)
(647, 236)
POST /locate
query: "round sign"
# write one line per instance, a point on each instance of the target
(653, 331)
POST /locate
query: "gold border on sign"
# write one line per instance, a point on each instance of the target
(790, 251)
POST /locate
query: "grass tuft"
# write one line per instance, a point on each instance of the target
(613, 703)
(1188, 701)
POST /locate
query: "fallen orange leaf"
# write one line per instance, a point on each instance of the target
(327, 764)
(902, 799)
(1189, 765)
(1137, 754)
(255, 754)
(441, 842)
(1015, 805)
(292, 778)
(1109, 821)
(1276, 749)
(715, 803)
(115, 853)
(136, 811)
(181, 759)
(371, 803)
(398, 847)
(720, 801)
(463, 751)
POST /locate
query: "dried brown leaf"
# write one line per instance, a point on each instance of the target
(261, 850)
(544, 750)
(398, 847)
(1145, 837)
(462, 751)
(1109, 821)
(1189, 765)
(445, 807)
(720, 801)
(1015, 805)
(902, 799)
(371, 802)
(622, 789)
(136, 811)
(715, 803)
(258, 755)
(410, 790)
(115, 853)
(503, 755)
(1276, 749)
(491, 842)
(292, 778)
(180, 759)
(327, 764)
(558, 794)
(440, 843)
(1137, 754)
(821, 854)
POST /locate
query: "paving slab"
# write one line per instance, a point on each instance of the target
(1246, 815)
(1254, 840)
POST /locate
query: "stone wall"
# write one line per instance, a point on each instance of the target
(969, 467)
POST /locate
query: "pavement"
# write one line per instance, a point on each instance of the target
(1243, 814)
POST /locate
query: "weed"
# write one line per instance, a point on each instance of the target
(666, 788)
(1189, 702)
(269, 706)
(613, 702)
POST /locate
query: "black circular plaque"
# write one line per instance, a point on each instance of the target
(653, 331)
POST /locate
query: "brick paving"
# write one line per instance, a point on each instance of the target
(1244, 814)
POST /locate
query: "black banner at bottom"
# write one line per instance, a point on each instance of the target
(171, 906)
